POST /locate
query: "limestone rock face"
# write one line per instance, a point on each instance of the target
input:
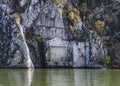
(57, 52)
(66, 33)
(79, 54)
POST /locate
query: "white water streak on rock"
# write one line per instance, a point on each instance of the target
(25, 50)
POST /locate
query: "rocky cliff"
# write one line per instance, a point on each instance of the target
(59, 33)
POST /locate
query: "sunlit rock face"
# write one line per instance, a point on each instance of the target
(59, 33)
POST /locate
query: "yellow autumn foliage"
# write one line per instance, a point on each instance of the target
(84, 11)
(74, 16)
(56, 1)
(71, 15)
(76, 11)
(16, 16)
(99, 24)
(84, 7)
(71, 29)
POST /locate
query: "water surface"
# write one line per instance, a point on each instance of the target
(59, 77)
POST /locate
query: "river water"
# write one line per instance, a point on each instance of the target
(59, 77)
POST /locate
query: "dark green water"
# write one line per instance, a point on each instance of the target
(59, 77)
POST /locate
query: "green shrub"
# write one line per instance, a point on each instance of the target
(38, 38)
(106, 59)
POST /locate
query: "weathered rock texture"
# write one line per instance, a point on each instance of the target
(59, 33)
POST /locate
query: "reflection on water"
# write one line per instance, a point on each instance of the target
(59, 77)
(28, 77)
(16, 77)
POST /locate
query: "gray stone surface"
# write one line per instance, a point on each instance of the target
(79, 54)
(57, 52)
(43, 37)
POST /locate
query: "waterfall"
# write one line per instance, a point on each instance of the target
(25, 50)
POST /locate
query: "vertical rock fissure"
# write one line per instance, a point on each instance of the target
(90, 48)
